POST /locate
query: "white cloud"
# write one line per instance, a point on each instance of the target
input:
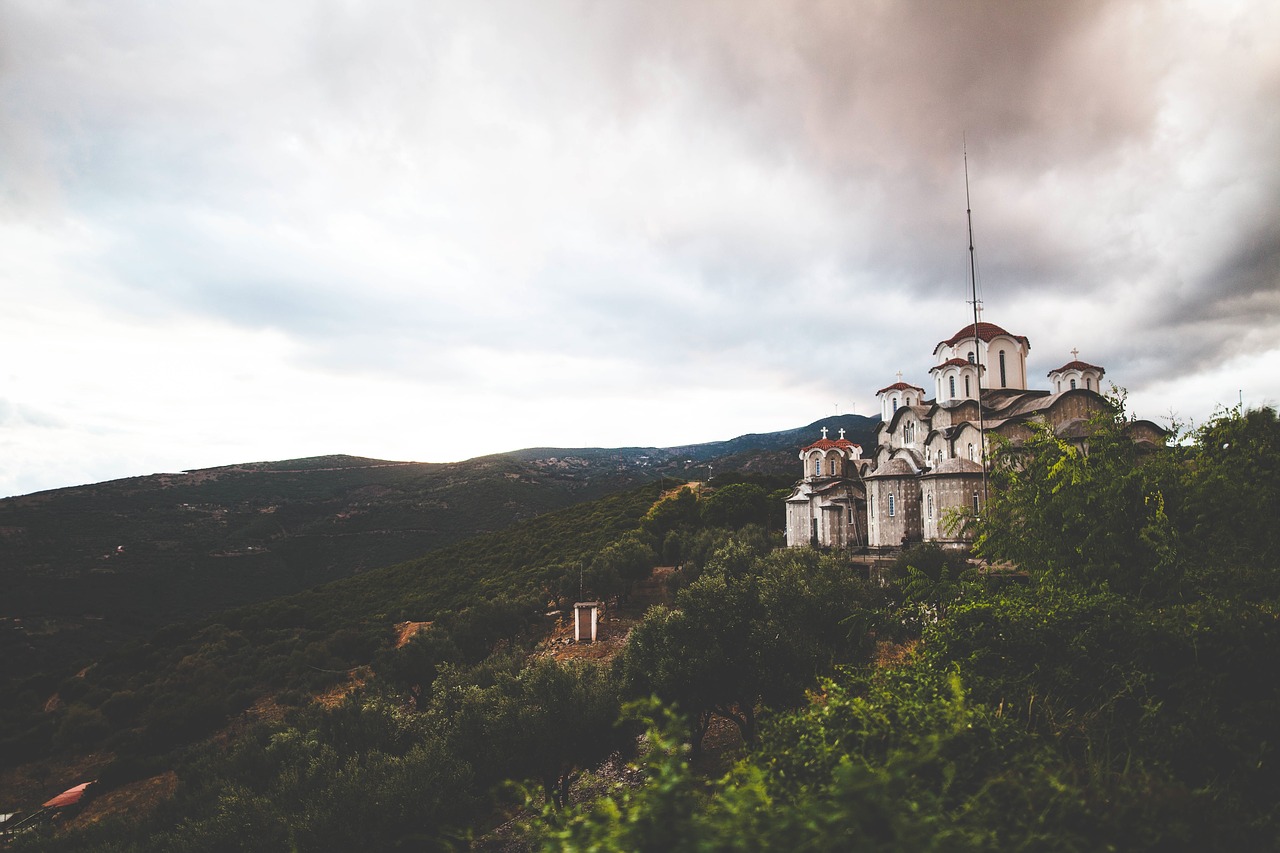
(236, 231)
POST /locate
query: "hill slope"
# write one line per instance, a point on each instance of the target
(95, 564)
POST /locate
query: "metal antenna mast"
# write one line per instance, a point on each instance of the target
(977, 347)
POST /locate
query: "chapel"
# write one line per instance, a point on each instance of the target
(931, 451)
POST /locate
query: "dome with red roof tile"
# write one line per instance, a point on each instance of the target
(900, 386)
(986, 332)
(1078, 365)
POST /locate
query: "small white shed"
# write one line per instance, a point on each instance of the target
(586, 616)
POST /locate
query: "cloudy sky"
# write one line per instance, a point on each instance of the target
(240, 231)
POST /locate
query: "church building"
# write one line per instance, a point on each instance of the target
(930, 452)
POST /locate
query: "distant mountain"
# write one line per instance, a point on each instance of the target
(111, 559)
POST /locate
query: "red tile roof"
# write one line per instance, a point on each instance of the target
(986, 331)
(960, 362)
(900, 386)
(1078, 365)
(828, 443)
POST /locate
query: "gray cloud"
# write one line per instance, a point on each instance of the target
(424, 191)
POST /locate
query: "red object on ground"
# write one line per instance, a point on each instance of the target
(69, 797)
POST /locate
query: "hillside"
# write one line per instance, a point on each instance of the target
(95, 565)
(1120, 695)
(180, 683)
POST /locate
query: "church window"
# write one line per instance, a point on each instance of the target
(1073, 385)
(1003, 382)
(931, 506)
(972, 458)
(975, 503)
(895, 404)
(891, 505)
(871, 507)
(851, 515)
(967, 392)
(1088, 383)
(971, 361)
(952, 381)
(817, 466)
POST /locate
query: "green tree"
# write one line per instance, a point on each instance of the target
(933, 578)
(630, 558)
(413, 667)
(750, 629)
(738, 505)
(1232, 500)
(1097, 518)
(565, 718)
(676, 511)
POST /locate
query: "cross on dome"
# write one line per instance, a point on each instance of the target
(1075, 354)
(842, 432)
(899, 375)
(824, 432)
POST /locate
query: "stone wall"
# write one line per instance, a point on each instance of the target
(890, 531)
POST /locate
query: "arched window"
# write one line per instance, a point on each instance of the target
(975, 503)
(971, 361)
(967, 392)
(1073, 385)
(891, 505)
(952, 380)
(972, 458)
(1088, 383)
(895, 404)
(1003, 383)
(817, 466)
(871, 507)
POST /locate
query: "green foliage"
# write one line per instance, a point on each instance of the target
(738, 505)
(565, 720)
(653, 818)
(1161, 524)
(750, 629)
(1096, 519)
(623, 561)
(187, 678)
(932, 577)
(414, 667)
(1232, 499)
(1125, 698)
(675, 511)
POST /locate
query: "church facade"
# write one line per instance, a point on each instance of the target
(928, 464)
